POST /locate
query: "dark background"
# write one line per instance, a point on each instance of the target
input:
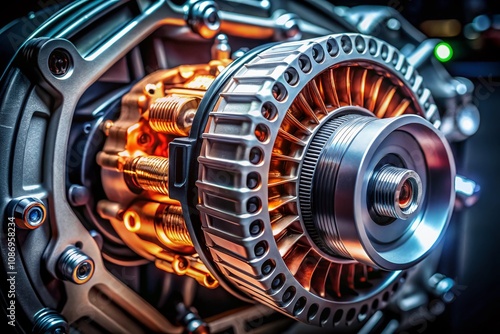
(476, 267)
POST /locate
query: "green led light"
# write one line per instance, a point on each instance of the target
(443, 52)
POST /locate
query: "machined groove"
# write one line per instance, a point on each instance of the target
(323, 88)
(295, 257)
(291, 138)
(276, 181)
(275, 203)
(316, 96)
(283, 223)
(282, 157)
(307, 268)
(228, 138)
(304, 105)
(223, 164)
(319, 278)
(287, 242)
(302, 128)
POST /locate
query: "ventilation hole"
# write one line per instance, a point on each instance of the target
(256, 227)
(337, 317)
(395, 287)
(372, 47)
(291, 76)
(261, 132)
(278, 282)
(260, 248)
(304, 63)
(346, 44)
(279, 92)
(405, 275)
(360, 44)
(323, 318)
(395, 58)
(269, 111)
(332, 47)
(412, 80)
(318, 53)
(289, 294)
(253, 204)
(299, 306)
(385, 296)
(363, 313)
(427, 105)
(404, 69)
(385, 52)
(311, 313)
(350, 315)
(253, 180)
(267, 267)
(420, 91)
(256, 155)
(375, 305)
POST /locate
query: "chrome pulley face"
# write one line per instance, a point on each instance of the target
(322, 176)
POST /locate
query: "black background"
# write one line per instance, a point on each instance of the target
(476, 268)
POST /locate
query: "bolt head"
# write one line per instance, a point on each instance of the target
(59, 62)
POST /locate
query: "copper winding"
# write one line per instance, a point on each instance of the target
(173, 225)
(147, 173)
(173, 114)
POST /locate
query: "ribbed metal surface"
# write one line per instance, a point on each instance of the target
(173, 114)
(255, 234)
(148, 173)
(308, 182)
(387, 184)
(174, 226)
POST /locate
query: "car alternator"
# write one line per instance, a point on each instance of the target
(308, 171)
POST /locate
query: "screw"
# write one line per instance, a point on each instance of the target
(393, 24)
(204, 19)
(75, 266)
(442, 286)
(29, 213)
(59, 62)
(49, 321)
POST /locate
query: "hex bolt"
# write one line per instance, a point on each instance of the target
(75, 266)
(29, 213)
(49, 321)
(288, 27)
(203, 18)
(60, 62)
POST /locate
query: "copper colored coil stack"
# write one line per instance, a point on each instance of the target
(173, 114)
(174, 226)
(147, 173)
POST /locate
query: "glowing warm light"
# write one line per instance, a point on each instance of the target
(441, 28)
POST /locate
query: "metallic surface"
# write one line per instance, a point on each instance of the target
(28, 213)
(269, 257)
(255, 139)
(75, 266)
(397, 192)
